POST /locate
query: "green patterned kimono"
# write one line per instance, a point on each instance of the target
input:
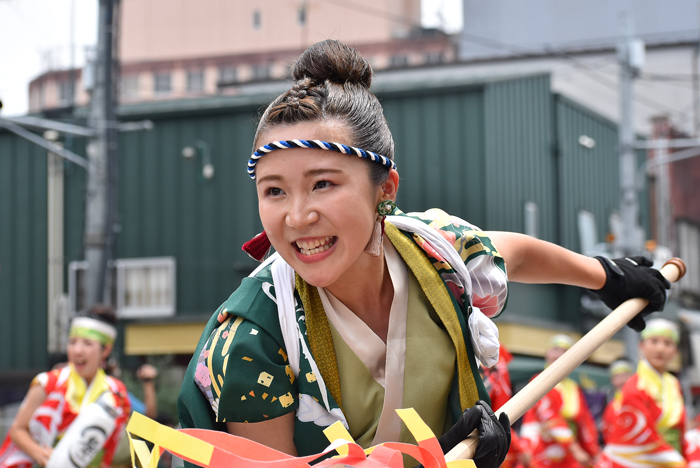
(240, 371)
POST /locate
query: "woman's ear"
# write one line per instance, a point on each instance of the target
(391, 186)
(106, 351)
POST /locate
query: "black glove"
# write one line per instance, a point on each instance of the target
(494, 435)
(631, 277)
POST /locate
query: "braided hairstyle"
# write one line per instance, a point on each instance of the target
(331, 81)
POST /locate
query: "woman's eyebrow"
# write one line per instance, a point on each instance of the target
(269, 178)
(315, 172)
(307, 174)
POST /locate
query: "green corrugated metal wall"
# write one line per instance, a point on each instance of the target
(519, 154)
(589, 178)
(23, 254)
(519, 159)
(477, 151)
(439, 143)
(75, 183)
(169, 209)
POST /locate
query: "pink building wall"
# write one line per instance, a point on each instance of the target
(178, 29)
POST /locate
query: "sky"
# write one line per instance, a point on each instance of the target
(35, 36)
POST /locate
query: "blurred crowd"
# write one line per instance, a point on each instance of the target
(644, 423)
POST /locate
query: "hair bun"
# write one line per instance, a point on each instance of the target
(333, 61)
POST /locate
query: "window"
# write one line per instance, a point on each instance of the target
(145, 287)
(76, 286)
(302, 14)
(161, 83)
(37, 97)
(65, 92)
(141, 287)
(434, 57)
(130, 87)
(195, 80)
(228, 74)
(256, 19)
(77, 292)
(261, 71)
(400, 60)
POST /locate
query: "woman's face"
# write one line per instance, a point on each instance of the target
(553, 353)
(317, 207)
(659, 351)
(620, 379)
(86, 356)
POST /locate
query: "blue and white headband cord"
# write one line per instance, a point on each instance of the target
(317, 144)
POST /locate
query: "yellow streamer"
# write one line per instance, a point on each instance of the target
(337, 431)
(168, 438)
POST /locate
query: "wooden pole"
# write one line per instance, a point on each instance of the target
(673, 270)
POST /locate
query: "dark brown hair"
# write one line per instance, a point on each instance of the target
(331, 81)
(104, 313)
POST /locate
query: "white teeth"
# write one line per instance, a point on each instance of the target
(314, 247)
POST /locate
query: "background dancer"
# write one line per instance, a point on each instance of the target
(620, 371)
(559, 429)
(650, 426)
(497, 382)
(56, 398)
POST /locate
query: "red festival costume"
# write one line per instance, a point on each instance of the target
(555, 422)
(497, 383)
(649, 427)
(610, 415)
(66, 394)
(692, 446)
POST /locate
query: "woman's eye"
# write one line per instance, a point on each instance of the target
(321, 184)
(274, 191)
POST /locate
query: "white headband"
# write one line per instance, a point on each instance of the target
(91, 328)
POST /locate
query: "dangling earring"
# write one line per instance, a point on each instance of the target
(374, 246)
(258, 247)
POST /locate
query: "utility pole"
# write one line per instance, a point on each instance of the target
(101, 200)
(101, 209)
(630, 55)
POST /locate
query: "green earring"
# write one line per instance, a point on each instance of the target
(386, 207)
(374, 246)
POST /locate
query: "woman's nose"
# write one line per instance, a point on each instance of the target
(301, 214)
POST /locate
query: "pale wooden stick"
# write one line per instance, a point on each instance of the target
(672, 270)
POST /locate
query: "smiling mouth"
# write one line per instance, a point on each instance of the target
(315, 247)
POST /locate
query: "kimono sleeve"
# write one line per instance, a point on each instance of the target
(47, 380)
(488, 275)
(486, 267)
(244, 373)
(639, 407)
(634, 438)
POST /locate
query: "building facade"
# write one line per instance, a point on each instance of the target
(171, 50)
